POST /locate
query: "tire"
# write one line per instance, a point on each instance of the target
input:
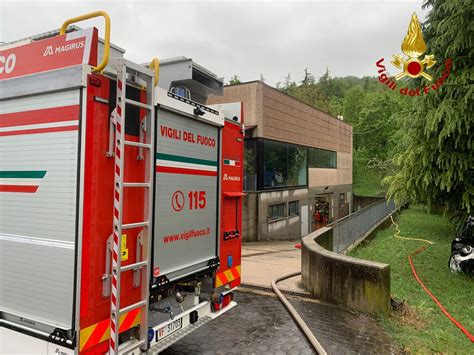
(453, 264)
(456, 247)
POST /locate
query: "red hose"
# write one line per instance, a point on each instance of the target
(446, 313)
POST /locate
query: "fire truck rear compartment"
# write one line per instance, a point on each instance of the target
(38, 226)
(55, 243)
(186, 190)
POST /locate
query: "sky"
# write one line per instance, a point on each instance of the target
(245, 38)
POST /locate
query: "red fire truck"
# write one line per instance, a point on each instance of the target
(120, 199)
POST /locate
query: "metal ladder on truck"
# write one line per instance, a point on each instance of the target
(144, 77)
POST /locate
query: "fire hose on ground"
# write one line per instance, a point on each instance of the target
(428, 292)
(294, 314)
(310, 336)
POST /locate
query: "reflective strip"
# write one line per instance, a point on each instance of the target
(183, 159)
(22, 174)
(40, 130)
(171, 170)
(100, 332)
(42, 120)
(40, 126)
(175, 164)
(21, 181)
(29, 189)
(227, 276)
(178, 164)
(40, 102)
(43, 116)
(37, 241)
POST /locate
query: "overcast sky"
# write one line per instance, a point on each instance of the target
(243, 38)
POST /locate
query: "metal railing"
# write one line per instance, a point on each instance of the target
(89, 16)
(351, 228)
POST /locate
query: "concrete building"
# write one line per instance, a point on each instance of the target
(298, 163)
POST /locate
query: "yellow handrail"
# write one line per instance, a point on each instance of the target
(106, 17)
(155, 64)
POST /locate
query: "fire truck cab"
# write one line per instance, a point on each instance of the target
(120, 197)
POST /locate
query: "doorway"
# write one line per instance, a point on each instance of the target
(322, 211)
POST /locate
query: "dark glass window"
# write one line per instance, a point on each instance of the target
(294, 208)
(297, 165)
(277, 211)
(321, 158)
(274, 164)
(284, 165)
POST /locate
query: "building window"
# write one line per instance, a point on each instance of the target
(297, 165)
(321, 158)
(284, 165)
(250, 165)
(293, 208)
(277, 211)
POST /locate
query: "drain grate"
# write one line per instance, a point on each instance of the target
(285, 292)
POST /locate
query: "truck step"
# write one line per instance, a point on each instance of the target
(137, 144)
(135, 225)
(133, 266)
(138, 104)
(129, 347)
(132, 307)
(136, 184)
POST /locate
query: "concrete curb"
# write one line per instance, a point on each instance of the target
(356, 284)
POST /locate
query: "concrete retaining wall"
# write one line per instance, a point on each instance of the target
(356, 284)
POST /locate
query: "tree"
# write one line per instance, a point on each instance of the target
(325, 78)
(308, 78)
(310, 94)
(234, 80)
(376, 124)
(288, 83)
(436, 157)
(352, 104)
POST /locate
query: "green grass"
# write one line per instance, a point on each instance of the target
(366, 181)
(424, 328)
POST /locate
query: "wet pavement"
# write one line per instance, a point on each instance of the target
(263, 262)
(261, 325)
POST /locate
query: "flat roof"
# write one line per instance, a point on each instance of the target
(53, 33)
(284, 93)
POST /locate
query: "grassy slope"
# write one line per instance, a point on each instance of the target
(366, 182)
(424, 329)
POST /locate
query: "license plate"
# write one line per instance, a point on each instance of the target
(168, 329)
